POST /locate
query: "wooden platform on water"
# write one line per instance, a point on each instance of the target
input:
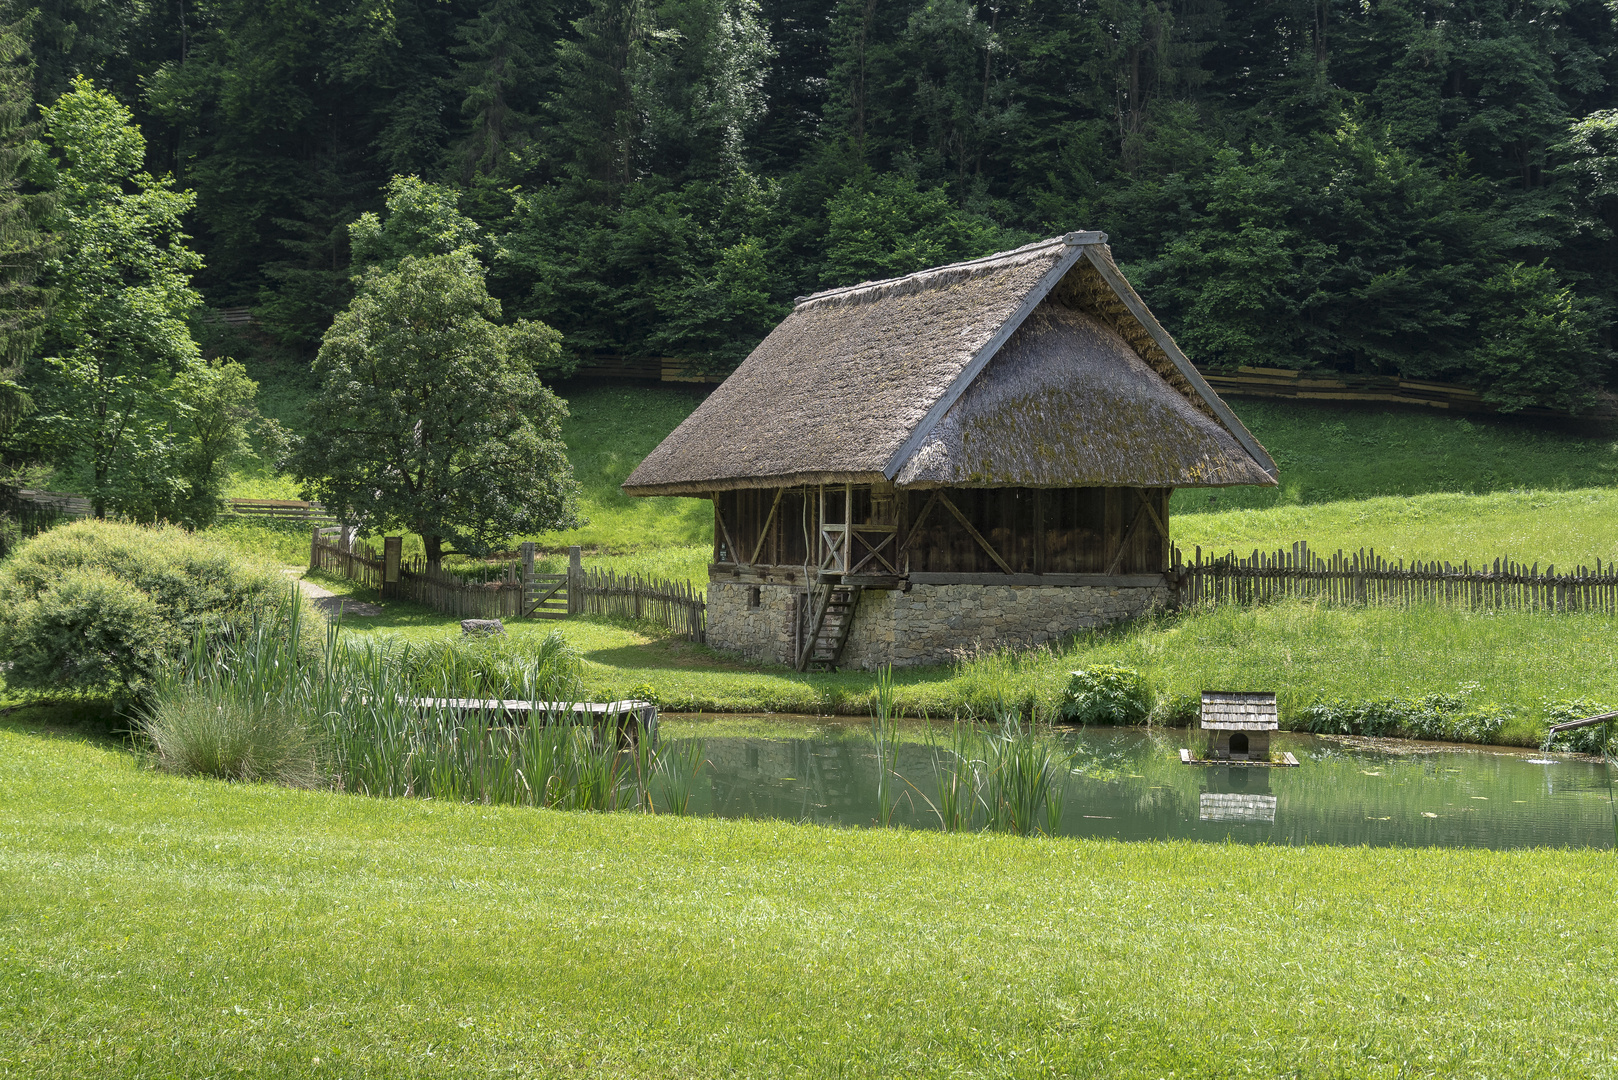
(632, 716)
(1287, 761)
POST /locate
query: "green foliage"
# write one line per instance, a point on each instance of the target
(124, 397)
(430, 416)
(25, 245)
(1595, 739)
(1445, 717)
(94, 607)
(1107, 694)
(422, 219)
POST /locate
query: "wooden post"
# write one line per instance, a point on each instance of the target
(575, 582)
(527, 550)
(392, 554)
(314, 548)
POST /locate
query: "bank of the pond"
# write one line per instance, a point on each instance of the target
(155, 926)
(1516, 669)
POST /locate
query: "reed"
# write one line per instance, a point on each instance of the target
(885, 734)
(675, 767)
(1024, 774)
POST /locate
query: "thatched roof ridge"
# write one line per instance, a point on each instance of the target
(857, 380)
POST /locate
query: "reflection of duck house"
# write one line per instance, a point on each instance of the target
(1240, 723)
(1232, 806)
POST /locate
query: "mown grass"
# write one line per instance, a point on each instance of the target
(156, 926)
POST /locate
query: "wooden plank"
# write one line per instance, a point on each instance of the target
(972, 531)
(764, 533)
(1129, 534)
(1105, 581)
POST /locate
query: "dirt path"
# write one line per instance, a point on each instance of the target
(329, 603)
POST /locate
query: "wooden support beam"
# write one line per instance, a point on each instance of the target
(1129, 534)
(758, 548)
(723, 531)
(916, 525)
(973, 532)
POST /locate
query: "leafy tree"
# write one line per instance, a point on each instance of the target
(119, 357)
(25, 245)
(422, 219)
(430, 416)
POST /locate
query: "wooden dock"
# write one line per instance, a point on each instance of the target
(629, 718)
(1287, 761)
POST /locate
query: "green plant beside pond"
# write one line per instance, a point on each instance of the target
(161, 925)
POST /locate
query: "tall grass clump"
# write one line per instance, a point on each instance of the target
(238, 709)
(885, 734)
(388, 718)
(1005, 777)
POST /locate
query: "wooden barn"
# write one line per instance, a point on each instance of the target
(971, 456)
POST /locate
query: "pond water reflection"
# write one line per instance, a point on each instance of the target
(1129, 784)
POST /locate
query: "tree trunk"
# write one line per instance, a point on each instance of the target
(435, 548)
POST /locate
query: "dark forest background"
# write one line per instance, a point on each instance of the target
(1392, 186)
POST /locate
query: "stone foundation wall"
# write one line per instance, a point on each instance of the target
(930, 624)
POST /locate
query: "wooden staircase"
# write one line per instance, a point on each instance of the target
(830, 619)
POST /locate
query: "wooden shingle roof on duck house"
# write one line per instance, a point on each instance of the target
(899, 462)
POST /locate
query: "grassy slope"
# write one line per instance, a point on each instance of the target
(152, 926)
(1405, 482)
(1521, 662)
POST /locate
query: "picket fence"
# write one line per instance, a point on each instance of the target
(512, 590)
(677, 605)
(1364, 577)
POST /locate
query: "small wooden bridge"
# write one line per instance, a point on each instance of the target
(629, 719)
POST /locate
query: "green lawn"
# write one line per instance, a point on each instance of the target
(157, 927)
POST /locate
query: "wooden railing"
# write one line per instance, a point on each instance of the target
(1364, 577)
(69, 505)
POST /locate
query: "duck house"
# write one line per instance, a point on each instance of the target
(1240, 723)
(972, 456)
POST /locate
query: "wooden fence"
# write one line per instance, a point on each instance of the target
(358, 565)
(497, 597)
(70, 505)
(513, 590)
(677, 605)
(1364, 577)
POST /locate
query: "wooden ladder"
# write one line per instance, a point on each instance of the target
(832, 616)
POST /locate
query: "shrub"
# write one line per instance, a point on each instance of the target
(1439, 717)
(1585, 740)
(1176, 710)
(97, 607)
(1107, 694)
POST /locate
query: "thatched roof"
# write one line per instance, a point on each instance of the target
(1038, 367)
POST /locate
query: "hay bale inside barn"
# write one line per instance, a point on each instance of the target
(972, 456)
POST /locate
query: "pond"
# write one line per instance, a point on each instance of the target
(1128, 784)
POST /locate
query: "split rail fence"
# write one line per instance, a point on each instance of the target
(1364, 577)
(513, 590)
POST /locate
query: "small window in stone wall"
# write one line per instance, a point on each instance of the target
(753, 598)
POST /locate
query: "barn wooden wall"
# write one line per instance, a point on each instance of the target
(1035, 530)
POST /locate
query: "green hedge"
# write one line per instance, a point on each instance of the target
(96, 607)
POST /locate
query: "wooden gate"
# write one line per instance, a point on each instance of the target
(547, 596)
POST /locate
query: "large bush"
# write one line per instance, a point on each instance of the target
(96, 607)
(1107, 694)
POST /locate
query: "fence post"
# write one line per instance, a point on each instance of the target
(527, 550)
(314, 547)
(392, 553)
(575, 581)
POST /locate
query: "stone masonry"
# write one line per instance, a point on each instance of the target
(930, 624)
